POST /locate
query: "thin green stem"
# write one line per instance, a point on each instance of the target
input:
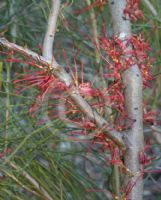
(116, 182)
(94, 31)
(8, 78)
(8, 68)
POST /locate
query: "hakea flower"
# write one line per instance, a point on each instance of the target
(46, 84)
(123, 122)
(121, 56)
(87, 90)
(112, 48)
(132, 10)
(139, 43)
(86, 126)
(115, 97)
(114, 93)
(150, 117)
(39, 79)
(116, 51)
(141, 49)
(146, 156)
(116, 157)
(107, 145)
(103, 141)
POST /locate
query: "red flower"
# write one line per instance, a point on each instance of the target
(150, 117)
(146, 155)
(46, 84)
(86, 90)
(114, 97)
(132, 10)
(121, 59)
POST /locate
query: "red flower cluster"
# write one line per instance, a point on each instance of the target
(150, 117)
(132, 10)
(140, 51)
(113, 95)
(146, 155)
(116, 64)
(45, 82)
(121, 59)
(87, 90)
(119, 56)
(107, 146)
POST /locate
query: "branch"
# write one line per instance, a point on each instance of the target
(133, 101)
(51, 30)
(151, 7)
(73, 92)
(49, 43)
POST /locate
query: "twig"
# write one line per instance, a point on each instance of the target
(133, 101)
(115, 181)
(8, 74)
(73, 92)
(94, 31)
(151, 7)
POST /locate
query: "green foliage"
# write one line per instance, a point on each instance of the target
(36, 148)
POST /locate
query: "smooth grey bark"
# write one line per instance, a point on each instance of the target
(132, 80)
(51, 30)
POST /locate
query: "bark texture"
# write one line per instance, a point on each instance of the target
(133, 101)
(51, 30)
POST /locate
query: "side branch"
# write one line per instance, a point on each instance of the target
(73, 92)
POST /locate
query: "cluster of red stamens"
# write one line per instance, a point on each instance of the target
(146, 156)
(119, 56)
(132, 10)
(46, 83)
(115, 48)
